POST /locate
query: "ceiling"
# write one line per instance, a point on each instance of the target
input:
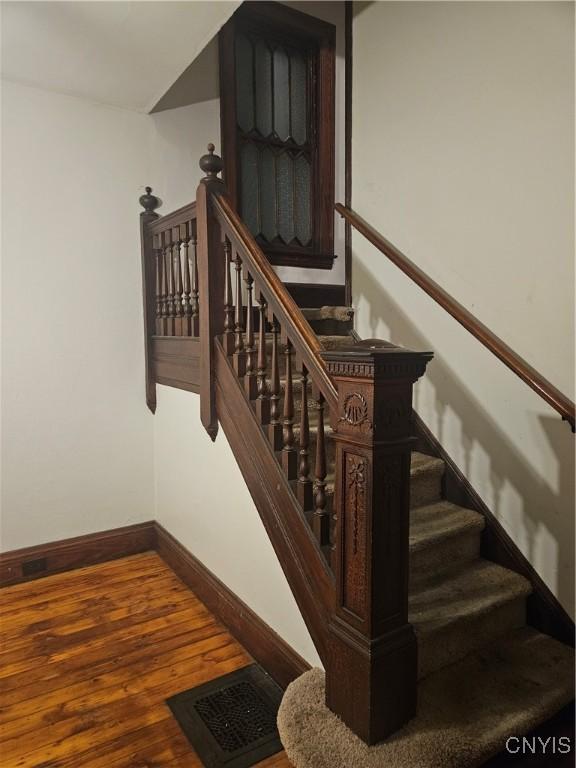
(126, 54)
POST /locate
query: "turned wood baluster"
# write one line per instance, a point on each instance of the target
(239, 352)
(164, 286)
(304, 491)
(170, 304)
(177, 267)
(193, 266)
(250, 383)
(187, 304)
(262, 401)
(228, 337)
(275, 426)
(158, 282)
(289, 456)
(321, 519)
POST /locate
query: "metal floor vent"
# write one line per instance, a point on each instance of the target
(231, 721)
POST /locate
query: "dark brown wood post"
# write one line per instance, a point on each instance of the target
(211, 263)
(149, 202)
(372, 675)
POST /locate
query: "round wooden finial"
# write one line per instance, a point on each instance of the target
(211, 164)
(149, 201)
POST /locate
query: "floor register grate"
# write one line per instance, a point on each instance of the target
(231, 721)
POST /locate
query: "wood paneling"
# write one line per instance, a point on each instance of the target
(176, 361)
(89, 659)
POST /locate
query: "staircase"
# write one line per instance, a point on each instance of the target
(321, 426)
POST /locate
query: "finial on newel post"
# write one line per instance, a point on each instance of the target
(211, 164)
(149, 201)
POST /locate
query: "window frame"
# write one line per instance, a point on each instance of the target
(295, 28)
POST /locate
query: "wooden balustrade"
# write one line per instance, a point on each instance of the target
(206, 275)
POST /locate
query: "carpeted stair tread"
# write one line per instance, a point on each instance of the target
(431, 524)
(421, 463)
(328, 313)
(469, 591)
(330, 320)
(443, 536)
(426, 474)
(466, 712)
(333, 342)
(465, 610)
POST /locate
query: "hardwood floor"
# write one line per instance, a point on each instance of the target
(88, 659)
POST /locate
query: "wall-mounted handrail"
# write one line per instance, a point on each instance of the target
(547, 391)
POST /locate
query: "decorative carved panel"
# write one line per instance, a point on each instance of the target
(355, 493)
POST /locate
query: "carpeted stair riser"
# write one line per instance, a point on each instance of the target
(465, 611)
(443, 537)
(330, 321)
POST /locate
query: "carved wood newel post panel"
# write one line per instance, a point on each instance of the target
(371, 678)
(212, 264)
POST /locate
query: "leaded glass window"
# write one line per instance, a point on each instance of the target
(273, 123)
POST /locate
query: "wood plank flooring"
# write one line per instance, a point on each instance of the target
(88, 659)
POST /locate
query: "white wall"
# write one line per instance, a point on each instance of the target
(77, 442)
(201, 497)
(203, 501)
(81, 452)
(463, 157)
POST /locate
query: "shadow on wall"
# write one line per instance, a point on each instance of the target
(543, 518)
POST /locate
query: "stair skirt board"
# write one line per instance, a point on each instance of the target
(231, 721)
(466, 712)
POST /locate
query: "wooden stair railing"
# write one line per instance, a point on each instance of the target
(535, 380)
(170, 290)
(265, 378)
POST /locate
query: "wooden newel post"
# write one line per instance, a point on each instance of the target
(372, 675)
(211, 270)
(149, 202)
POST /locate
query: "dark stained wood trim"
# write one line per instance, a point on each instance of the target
(319, 37)
(147, 219)
(529, 375)
(297, 258)
(544, 611)
(176, 361)
(78, 552)
(348, 73)
(259, 639)
(211, 269)
(173, 219)
(316, 294)
(307, 572)
(228, 131)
